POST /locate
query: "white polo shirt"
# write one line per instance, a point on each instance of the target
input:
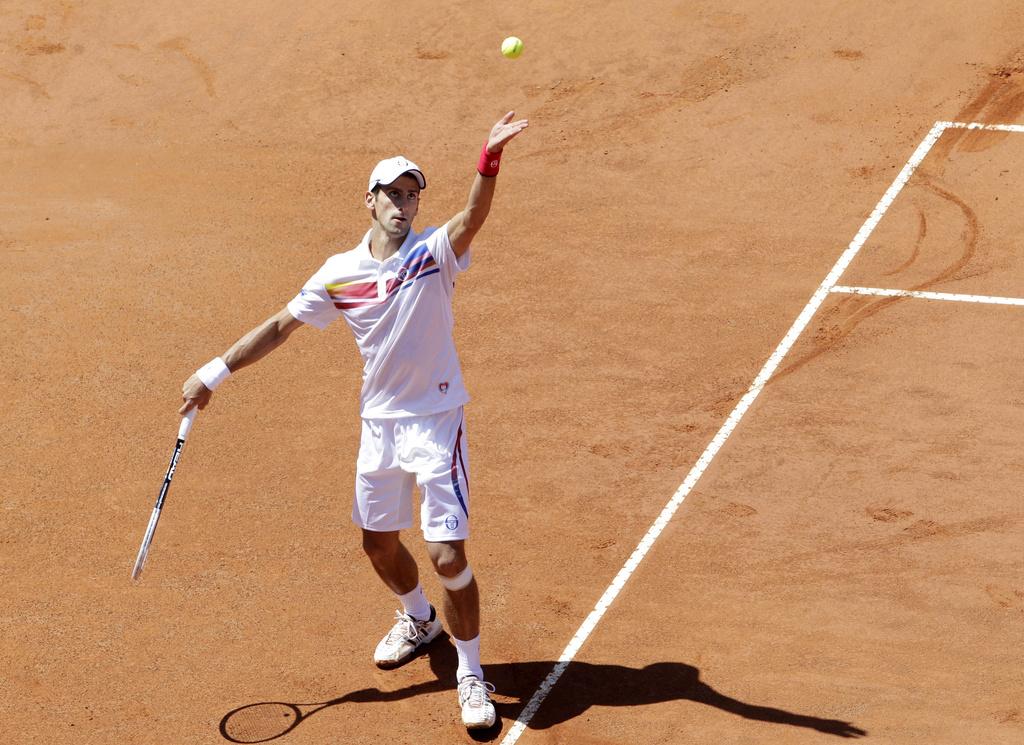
(400, 311)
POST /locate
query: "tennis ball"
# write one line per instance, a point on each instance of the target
(512, 47)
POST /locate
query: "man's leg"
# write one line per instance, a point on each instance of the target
(462, 611)
(418, 624)
(461, 606)
(391, 560)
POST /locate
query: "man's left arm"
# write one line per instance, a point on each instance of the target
(464, 226)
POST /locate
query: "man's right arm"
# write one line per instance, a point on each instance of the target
(465, 225)
(255, 345)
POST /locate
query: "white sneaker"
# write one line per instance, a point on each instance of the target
(477, 709)
(406, 636)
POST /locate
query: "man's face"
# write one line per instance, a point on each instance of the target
(395, 205)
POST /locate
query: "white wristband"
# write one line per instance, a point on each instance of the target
(213, 373)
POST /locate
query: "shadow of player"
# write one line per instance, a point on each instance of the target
(584, 685)
(580, 687)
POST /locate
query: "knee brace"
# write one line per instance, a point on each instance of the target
(459, 581)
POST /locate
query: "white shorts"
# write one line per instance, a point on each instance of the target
(428, 450)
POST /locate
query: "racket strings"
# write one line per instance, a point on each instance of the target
(260, 722)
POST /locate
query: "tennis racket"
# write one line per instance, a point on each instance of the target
(186, 425)
(271, 719)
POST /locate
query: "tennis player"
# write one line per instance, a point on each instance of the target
(394, 290)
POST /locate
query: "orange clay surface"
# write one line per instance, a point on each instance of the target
(851, 562)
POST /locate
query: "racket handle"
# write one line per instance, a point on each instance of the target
(186, 423)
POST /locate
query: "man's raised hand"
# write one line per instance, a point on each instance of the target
(504, 131)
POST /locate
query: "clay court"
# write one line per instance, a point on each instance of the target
(748, 270)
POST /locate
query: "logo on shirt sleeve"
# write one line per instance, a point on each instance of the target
(443, 387)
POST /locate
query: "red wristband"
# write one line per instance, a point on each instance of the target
(489, 162)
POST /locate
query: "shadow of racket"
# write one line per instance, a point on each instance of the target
(270, 720)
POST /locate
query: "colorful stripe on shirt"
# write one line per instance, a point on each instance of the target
(352, 294)
(360, 294)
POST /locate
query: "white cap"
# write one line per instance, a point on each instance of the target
(387, 172)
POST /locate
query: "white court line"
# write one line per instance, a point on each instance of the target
(930, 295)
(989, 127)
(591, 621)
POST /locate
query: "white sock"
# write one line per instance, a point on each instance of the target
(415, 604)
(469, 658)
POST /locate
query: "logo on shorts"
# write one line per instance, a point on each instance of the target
(403, 274)
(443, 387)
(451, 522)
